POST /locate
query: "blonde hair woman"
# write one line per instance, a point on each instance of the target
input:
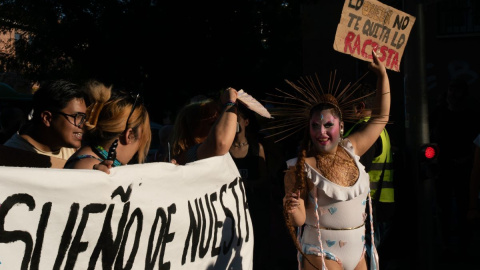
(117, 129)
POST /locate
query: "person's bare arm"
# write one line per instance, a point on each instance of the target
(365, 138)
(262, 166)
(223, 132)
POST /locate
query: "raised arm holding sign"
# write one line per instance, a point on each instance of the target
(370, 25)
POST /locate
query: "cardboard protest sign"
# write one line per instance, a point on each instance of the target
(366, 25)
(145, 216)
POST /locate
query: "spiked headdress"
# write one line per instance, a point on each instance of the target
(293, 108)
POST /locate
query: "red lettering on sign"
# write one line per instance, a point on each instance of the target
(354, 46)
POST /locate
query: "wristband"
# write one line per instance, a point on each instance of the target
(231, 107)
(230, 103)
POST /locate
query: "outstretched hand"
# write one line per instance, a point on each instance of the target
(104, 166)
(376, 65)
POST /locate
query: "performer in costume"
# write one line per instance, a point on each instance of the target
(326, 187)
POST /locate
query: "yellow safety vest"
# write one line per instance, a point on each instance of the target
(387, 193)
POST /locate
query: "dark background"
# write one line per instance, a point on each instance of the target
(169, 50)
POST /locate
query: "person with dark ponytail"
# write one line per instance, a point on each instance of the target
(327, 190)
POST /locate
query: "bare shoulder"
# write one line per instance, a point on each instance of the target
(84, 163)
(84, 158)
(260, 146)
(261, 150)
(311, 161)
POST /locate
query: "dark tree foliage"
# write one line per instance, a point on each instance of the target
(168, 50)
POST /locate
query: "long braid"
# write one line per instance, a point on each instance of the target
(300, 184)
(292, 231)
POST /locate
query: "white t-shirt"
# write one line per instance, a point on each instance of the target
(16, 141)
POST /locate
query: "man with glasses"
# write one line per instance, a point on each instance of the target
(55, 128)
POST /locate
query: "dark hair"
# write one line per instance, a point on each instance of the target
(325, 106)
(55, 95)
(253, 127)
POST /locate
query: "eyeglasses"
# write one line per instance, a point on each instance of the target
(78, 118)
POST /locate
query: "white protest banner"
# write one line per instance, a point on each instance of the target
(368, 24)
(145, 216)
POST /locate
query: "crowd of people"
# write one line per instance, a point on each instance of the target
(335, 200)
